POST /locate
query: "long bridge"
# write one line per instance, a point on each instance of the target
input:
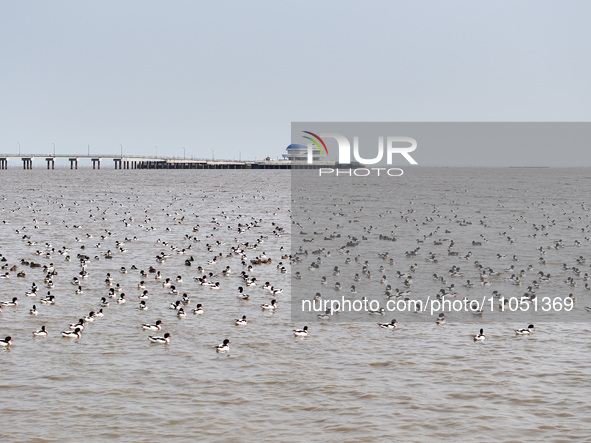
(147, 162)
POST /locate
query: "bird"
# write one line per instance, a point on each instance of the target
(14, 302)
(326, 315)
(480, 336)
(523, 331)
(241, 321)
(33, 310)
(301, 332)
(224, 347)
(162, 340)
(380, 311)
(155, 327)
(41, 332)
(6, 342)
(391, 325)
(79, 325)
(269, 307)
(72, 334)
(198, 309)
(241, 295)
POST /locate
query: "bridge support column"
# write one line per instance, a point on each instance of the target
(3, 163)
(73, 163)
(50, 162)
(96, 163)
(27, 163)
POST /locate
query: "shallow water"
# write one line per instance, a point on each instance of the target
(347, 381)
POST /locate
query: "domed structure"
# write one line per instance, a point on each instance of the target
(297, 152)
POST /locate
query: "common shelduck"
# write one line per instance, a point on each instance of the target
(241, 295)
(162, 340)
(326, 316)
(49, 300)
(391, 325)
(380, 311)
(301, 332)
(41, 332)
(79, 325)
(155, 327)
(480, 336)
(528, 331)
(72, 334)
(270, 306)
(241, 321)
(224, 347)
(13, 302)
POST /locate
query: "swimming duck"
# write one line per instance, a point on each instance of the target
(121, 299)
(162, 340)
(14, 302)
(40, 333)
(155, 327)
(6, 342)
(72, 334)
(241, 321)
(271, 306)
(224, 347)
(198, 310)
(301, 332)
(142, 306)
(241, 295)
(480, 336)
(33, 310)
(79, 325)
(528, 331)
(181, 313)
(104, 303)
(326, 316)
(49, 300)
(380, 311)
(391, 325)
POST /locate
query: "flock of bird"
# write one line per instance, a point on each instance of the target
(216, 241)
(227, 240)
(350, 261)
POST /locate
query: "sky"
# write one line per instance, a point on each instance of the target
(226, 79)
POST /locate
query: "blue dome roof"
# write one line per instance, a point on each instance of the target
(297, 146)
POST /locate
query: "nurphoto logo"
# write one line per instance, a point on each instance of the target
(394, 145)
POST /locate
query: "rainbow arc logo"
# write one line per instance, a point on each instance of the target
(313, 140)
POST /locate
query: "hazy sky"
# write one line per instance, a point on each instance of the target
(157, 76)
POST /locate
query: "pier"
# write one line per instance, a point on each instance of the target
(144, 162)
